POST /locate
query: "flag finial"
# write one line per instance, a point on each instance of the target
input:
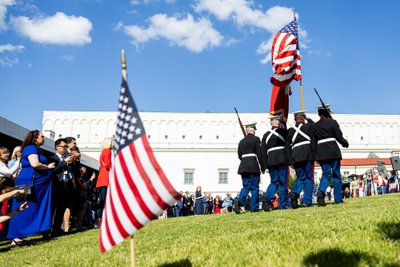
(123, 62)
(294, 14)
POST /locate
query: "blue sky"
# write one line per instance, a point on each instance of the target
(192, 56)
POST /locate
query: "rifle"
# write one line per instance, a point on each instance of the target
(240, 123)
(323, 104)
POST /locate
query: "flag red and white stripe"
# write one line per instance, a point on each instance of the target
(138, 191)
(286, 56)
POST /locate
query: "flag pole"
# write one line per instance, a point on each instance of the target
(301, 84)
(301, 95)
(124, 75)
(132, 251)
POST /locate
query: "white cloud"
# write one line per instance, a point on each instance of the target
(3, 12)
(231, 41)
(68, 58)
(138, 2)
(8, 62)
(195, 35)
(243, 13)
(11, 48)
(118, 26)
(59, 29)
(265, 49)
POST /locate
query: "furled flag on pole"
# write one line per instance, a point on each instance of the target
(138, 191)
(279, 103)
(286, 55)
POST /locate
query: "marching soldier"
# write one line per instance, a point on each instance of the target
(250, 168)
(326, 132)
(302, 148)
(275, 159)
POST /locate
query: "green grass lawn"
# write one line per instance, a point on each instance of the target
(361, 232)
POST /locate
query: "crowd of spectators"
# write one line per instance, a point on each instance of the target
(199, 203)
(373, 183)
(48, 195)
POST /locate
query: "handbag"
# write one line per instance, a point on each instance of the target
(28, 190)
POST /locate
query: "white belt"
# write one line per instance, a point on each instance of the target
(301, 144)
(252, 155)
(330, 139)
(249, 155)
(275, 148)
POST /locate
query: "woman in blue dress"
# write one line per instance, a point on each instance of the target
(198, 205)
(37, 171)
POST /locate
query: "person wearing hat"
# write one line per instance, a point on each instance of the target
(326, 133)
(250, 169)
(301, 146)
(274, 157)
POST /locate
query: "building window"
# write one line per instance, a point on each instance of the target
(165, 136)
(78, 136)
(188, 176)
(148, 136)
(217, 137)
(223, 176)
(200, 137)
(183, 136)
(346, 173)
(60, 135)
(362, 138)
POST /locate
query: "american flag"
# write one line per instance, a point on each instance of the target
(138, 191)
(286, 55)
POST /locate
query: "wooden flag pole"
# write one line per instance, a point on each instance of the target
(132, 251)
(301, 96)
(132, 241)
(123, 62)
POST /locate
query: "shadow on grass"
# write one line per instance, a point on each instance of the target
(336, 257)
(181, 263)
(390, 230)
(5, 245)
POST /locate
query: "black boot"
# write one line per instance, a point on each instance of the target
(236, 207)
(321, 198)
(293, 200)
(265, 206)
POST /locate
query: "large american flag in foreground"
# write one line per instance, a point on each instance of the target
(139, 190)
(286, 55)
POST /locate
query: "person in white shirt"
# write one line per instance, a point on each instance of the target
(4, 157)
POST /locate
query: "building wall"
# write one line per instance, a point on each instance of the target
(207, 142)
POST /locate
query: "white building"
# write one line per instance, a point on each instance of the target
(200, 148)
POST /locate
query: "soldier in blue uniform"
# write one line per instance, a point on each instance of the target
(250, 168)
(273, 153)
(326, 132)
(301, 148)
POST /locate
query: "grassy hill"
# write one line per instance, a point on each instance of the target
(361, 232)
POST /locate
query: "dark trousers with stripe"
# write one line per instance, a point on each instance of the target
(304, 180)
(279, 180)
(331, 170)
(251, 183)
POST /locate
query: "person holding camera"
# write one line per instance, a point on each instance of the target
(8, 191)
(36, 175)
